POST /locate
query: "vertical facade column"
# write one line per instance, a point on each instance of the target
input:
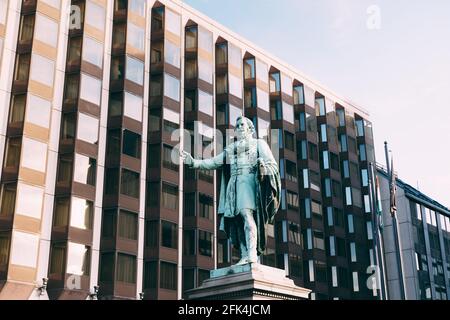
(123, 162)
(162, 213)
(198, 188)
(74, 204)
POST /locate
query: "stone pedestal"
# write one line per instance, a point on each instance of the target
(248, 282)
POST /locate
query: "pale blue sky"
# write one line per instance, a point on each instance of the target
(399, 73)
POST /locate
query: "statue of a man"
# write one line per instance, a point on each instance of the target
(250, 189)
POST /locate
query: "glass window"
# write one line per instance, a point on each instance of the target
(366, 203)
(135, 70)
(173, 22)
(341, 117)
(151, 233)
(206, 207)
(156, 53)
(351, 228)
(172, 53)
(320, 107)
(318, 240)
(348, 196)
(29, 200)
(34, 154)
(352, 252)
(274, 82)
(26, 28)
(156, 84)
(332, 247)
(58, 258)
(42, 70)
(343, 142)
(221, 53)
(78, 259)
(205, 69)
(61, 212)
(249, 68)
(298, 95)
(71, 88)
(369, 230)
(137, 6)
(169, 234)
(222, 84)
(326, 160)
(24, 249)
(126, 268)
(305, 179)
(170, 196)
(205, 243)
(362, 152)
(355, 281)
(87, 128)
(190, 69)
(205, 102)
(129, 184)
(54, 3)
(95, 15)
(131, 145)
(345, 169)
(91, 89)
(7, 199)
(85, 169)
(359, 127)
(364, 178)
(191, 37)
(38, 111)
(107, 263)
(46, 30)
(118, 36)
(288, 112)
(168, 276)
(250, 97)
(17, 111)
(92, 51)
(128, 225)
(235, 85)
(171, 87)
(171, 120)
(263, 128)
(133, 106)
(323, 133)
(65, 169)
(135, 36)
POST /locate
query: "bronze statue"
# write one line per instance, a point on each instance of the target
(249, 192)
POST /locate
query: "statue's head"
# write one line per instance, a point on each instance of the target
(244, 127)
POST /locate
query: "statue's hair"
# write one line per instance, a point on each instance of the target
(249, 123)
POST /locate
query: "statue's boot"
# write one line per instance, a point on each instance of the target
(244, 254)
(251, 248)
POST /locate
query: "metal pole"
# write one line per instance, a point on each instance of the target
(396, 233)
(378, 243)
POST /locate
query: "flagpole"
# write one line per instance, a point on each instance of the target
(378, 243)
(392, 184)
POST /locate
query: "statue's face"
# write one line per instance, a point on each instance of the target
(242, 129)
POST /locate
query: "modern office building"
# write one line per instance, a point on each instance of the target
(91, 92)
(424, 238)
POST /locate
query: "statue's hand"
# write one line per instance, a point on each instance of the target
(262, 168)
(187, 158)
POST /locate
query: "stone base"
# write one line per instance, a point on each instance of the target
(248, 282)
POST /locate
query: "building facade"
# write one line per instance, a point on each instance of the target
(424, 238)
(92, 93)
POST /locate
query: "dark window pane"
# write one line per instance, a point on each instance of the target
(129, 183)
(107, 267)
(58, 258)
(169, 234)
(168, 275)
(150, 274)
(126, 268)
(131, 144)
(109, 223)
(151, 234)
(128, 225)
(205, 243)
(189, 242)
(170, 196)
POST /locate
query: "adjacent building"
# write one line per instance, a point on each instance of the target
(424, 237)
(91, 203)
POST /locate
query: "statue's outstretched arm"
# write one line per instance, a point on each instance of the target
(205, 164)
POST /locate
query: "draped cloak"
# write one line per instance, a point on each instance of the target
(264, 199)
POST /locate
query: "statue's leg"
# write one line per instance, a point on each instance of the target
(242, 244)
(250, 231)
